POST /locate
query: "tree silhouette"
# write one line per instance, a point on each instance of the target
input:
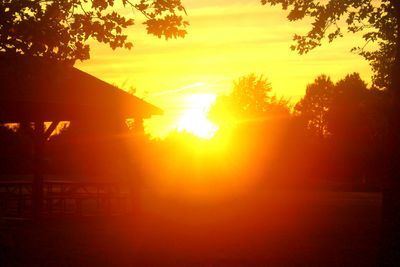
(379, 22)
(61, 29)
(250, 99)
(250, 94)
(313, 108)
(350, 120)
(349, 108)
(357, 123)
(376, 21)
(254, 121)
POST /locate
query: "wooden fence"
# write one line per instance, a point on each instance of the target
(65, 198)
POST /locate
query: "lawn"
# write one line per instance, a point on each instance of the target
(256, 228)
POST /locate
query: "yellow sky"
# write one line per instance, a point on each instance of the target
(226, 39)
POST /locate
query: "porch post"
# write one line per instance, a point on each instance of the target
(138, 125)
(37, 187)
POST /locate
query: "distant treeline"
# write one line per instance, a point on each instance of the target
(334, 137)
(336, 133)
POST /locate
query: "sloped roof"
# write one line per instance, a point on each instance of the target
(34, 89)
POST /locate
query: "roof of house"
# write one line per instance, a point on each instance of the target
(35, 89)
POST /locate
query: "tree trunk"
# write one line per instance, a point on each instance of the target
(390, 224)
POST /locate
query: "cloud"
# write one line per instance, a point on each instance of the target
(190, 87)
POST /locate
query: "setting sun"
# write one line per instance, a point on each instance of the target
(194, 119)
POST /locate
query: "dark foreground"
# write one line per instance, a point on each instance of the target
(269, 228)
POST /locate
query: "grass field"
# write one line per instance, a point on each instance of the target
(258, 228)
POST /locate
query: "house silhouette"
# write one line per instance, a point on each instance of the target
(38, 90)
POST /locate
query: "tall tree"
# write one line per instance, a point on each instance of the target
(356, 122)
(349, 112)
(379, 22)
(313, 108)
(250, 99)
(251, 94)
(60, 29)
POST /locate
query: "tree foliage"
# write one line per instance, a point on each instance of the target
(250, 94)
(313, 107)
(60, 29)
(347, 111)
(250, 99)
(375, 20)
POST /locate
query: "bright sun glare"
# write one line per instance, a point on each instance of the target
(194, 119)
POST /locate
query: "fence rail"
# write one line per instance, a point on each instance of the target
(65, 198)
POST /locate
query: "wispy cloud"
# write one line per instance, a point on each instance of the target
(193, 86)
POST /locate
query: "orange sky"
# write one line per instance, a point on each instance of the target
(226, 39)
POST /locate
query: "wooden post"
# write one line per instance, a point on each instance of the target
(138, 125)
(37, 188)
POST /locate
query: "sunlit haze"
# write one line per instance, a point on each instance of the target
(226, 40)
(228, 149)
